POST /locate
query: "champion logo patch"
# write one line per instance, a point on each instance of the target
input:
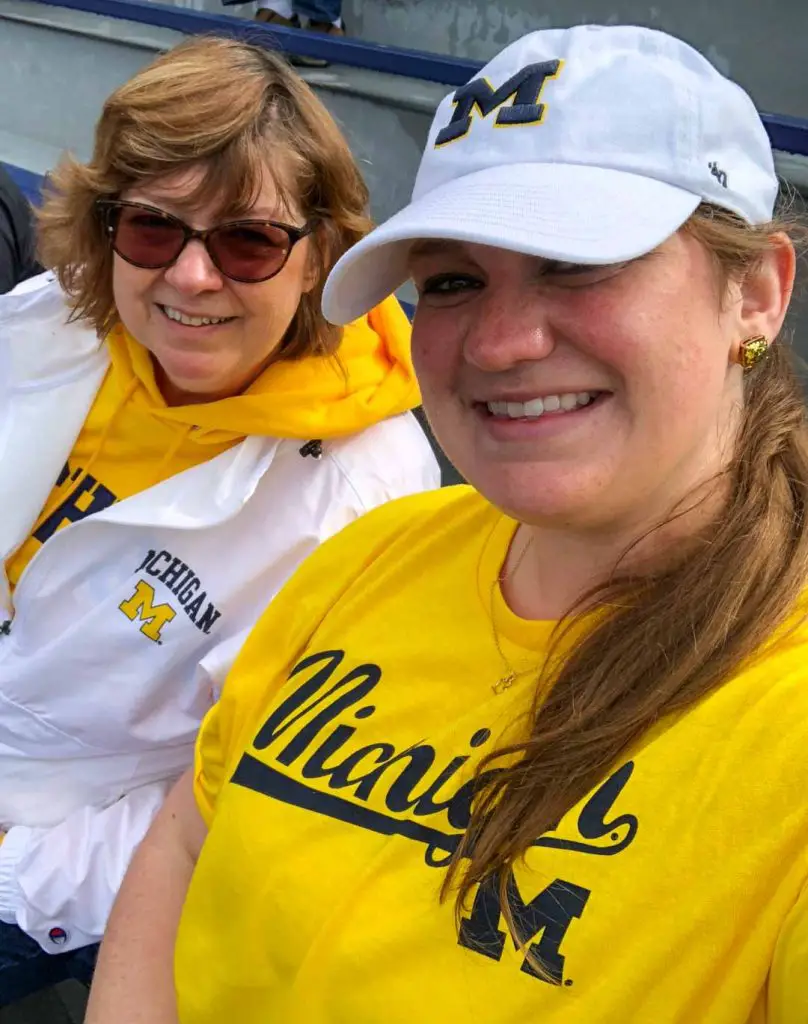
(58, 936)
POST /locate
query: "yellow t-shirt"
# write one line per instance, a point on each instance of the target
(333, 775)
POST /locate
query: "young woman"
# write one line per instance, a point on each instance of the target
(535, 751)
(180, 428)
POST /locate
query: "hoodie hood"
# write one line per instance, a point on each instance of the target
(370, 378)
(132, 440)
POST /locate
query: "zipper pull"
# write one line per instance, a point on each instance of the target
(313, 448)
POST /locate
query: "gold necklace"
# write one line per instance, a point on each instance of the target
(511, 675)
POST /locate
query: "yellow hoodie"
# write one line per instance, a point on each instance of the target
(132, 440)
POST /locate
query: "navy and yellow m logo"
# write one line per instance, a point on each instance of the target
(152, 616)
(524, 88)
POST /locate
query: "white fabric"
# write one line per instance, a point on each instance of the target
(608, 139)
(95, 716)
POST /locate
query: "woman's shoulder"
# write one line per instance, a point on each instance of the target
(387, 459)
(767, 697)
(36, 332)
(413, 530)
(35, 290)
(405, 538)
(430, 514)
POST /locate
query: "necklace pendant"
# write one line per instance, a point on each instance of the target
(504, 683)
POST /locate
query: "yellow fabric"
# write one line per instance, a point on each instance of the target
(131, 440)
(369, 380)
(331, 773)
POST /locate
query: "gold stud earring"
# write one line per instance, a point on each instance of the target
(752, 351)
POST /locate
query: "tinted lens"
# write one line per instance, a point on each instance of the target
(146, 239)
(249, 252)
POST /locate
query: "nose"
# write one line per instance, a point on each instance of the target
(505, 330)
(194, 271)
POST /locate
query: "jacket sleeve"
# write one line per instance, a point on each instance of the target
(58, 884)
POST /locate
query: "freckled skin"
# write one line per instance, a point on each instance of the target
(652, 333)
(221, 362)
(658, 338)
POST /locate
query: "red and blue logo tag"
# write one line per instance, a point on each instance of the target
(58, 936)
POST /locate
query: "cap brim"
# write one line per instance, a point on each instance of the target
(567, 212)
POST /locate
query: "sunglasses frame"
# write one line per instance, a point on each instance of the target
(108, 207)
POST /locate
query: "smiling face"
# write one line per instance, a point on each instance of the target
(578, 396)
(162, 309)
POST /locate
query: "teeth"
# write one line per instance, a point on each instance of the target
(539, 406)
(193, 321)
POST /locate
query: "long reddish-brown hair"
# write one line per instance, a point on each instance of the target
(239, 112)
(663, 640)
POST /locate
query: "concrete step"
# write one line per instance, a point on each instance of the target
(761, 46)
(49, 55)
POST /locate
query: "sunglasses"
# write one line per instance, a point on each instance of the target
(248, 251)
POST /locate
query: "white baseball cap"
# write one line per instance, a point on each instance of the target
(590, 145)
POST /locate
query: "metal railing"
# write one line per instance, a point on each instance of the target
(351, 52)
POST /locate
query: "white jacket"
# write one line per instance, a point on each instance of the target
(125, 622)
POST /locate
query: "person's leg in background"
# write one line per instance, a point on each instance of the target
(277, 12)
(82, 964)
(320, 16)
(24, 967)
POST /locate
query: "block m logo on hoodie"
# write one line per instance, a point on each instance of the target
(152, 616)
(177, 578)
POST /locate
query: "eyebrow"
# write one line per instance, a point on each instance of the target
(177, 208)
(173, 207)
(263, 213)
(169, 201)
(436, 247)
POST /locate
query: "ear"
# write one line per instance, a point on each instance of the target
(766, 291)
(317, 257)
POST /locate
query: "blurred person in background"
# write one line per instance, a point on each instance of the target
(310, 15)
(17, 243)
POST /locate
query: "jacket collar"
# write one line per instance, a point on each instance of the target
(204, 495)
(50, 372)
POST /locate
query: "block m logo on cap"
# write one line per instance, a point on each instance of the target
(524, 89)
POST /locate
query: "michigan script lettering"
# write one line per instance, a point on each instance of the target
(426, 798)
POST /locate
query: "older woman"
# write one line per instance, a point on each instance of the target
(180, 427)
(573, 700)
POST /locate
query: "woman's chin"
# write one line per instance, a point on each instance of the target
(542, 495)
(193, 377)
